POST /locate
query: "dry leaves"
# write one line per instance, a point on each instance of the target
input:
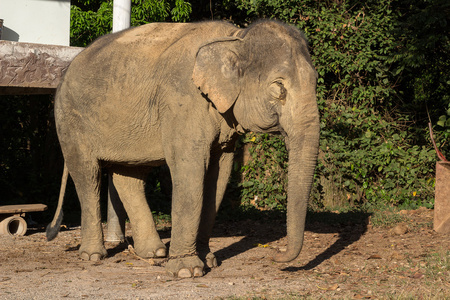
(333, 287)
(360, 296)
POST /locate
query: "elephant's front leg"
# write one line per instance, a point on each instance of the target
(188, 174)
(216, 181)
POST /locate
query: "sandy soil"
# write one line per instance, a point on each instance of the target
(346, 260)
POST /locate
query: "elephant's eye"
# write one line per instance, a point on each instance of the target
(278, 91)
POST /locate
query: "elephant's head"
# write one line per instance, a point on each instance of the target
(265, 75)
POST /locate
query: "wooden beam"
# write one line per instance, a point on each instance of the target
(27, 68)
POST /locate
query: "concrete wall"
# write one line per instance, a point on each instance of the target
(36, 21)
(28, 68)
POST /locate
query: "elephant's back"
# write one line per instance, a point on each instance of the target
(148, 42)
(143, 42)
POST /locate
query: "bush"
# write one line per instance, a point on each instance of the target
(371, 58)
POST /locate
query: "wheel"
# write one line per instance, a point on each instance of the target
(14, 225)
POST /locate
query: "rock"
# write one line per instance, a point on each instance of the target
(397, 256)
(400, 229)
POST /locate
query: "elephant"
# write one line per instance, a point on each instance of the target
(180, 94)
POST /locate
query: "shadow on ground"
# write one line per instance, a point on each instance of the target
(268, 228)
(263, 227)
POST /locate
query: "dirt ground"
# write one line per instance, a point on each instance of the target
(343, 260)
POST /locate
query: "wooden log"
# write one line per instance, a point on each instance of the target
(27, 68)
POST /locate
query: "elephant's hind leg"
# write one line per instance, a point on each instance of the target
(129, 183)
(86, 177)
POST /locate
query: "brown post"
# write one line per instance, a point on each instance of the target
(442, 198)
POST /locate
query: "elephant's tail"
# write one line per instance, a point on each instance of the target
(55, 225)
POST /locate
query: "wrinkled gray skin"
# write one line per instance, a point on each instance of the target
(178, 94)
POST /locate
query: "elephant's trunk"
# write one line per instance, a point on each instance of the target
(303, 144)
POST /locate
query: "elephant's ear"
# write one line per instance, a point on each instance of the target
(217, 70)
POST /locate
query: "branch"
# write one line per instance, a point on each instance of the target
(439, 154)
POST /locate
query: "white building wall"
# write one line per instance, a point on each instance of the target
(36, 21)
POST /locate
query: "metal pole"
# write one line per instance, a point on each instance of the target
(116, 215)
(116, 212)
(121, 15)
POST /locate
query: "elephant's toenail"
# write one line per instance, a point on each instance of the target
(161, 252)
(198, 272)
(96, 257)
(184, 273)
(84, 256)
(212, 262)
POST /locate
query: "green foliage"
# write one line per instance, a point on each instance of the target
(181, 11)
(92, 19)
(263, 179)
(86, 26)
(375, 160)
(444, 130)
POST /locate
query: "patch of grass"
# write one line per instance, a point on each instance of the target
(408, 294)
(386, 218)
(438, 264)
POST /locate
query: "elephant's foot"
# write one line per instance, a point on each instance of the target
(151, 250)
(185, 267)
(92, 253)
